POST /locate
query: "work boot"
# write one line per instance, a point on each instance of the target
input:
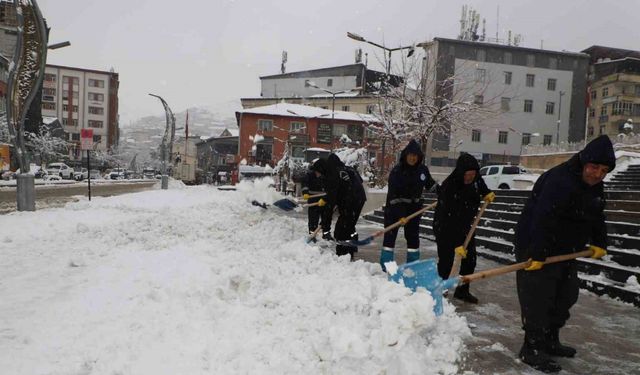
(413, 255)
(555, 348)
(386, 255)
(327, 236)
(533, 353)
(462, 293)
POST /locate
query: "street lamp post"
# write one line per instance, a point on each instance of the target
(561, 93)
(333, 102)
(386, 50)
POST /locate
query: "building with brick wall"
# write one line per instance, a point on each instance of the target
(301, 127)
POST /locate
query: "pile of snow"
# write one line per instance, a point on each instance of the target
(199, 281)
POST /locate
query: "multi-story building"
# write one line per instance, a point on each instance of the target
(82, 98)
(527, 96)
(355, 85)
(614, 79)
(218, 154)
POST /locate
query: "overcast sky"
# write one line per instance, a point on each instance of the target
(211, 52)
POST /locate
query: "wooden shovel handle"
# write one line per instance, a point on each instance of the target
(316, 196)
(522, 265)
(314, 234)
(455, 268)
(311, 204)
(399, 222)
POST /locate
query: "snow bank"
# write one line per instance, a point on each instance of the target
(198, 281)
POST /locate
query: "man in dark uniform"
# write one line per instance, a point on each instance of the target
(344, 189)
(458, 201)
(407, 180)
(563, 214)
(312, 185)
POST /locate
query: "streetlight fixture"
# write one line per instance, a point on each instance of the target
(59, 45)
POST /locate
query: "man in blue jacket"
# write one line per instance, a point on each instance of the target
(563, 214)
(407, 181)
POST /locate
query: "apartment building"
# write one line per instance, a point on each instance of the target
(82, 98)
(529, 96)
(614, 81)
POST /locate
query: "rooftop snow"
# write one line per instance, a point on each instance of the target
(297, 110)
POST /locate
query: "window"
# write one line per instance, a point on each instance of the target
(531, 78)
(48, 91)
(590, 131)
(297, 127)
(345, 108)
(96, 110)
(475, 135)
(74, 122)
(592, 112)
(511, 170)
(636, 109)
(503, 137)
(96, 83)
(329, 82)
(95, 124)
(553, 63)
(505, 104)
(617, 109)
(297, 152)
(508, 58)
(603, 129)
(528, 105)
(531, 60)
(603, 110)
(97, 138)
(96, 97)
(481, 55)
(478, 99)
(481, 75)
(72, 80)
(507, 78)
(594, 94)
(264, 152)
(526, 138)
(50, 77)
(65, 108)
(75, 136)
(547, 139)
(265, 125)
(48, 98)
(49, 106)
(550, 108)
(371, 108)
(339, 130)
(637, 90)
(65, 95)
(493, 170)
(605, 92)
(551, 84)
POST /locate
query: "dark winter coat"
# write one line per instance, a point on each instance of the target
(406, 183)
(564, 213)
(311, 184)
(342, 184)
(458, 202)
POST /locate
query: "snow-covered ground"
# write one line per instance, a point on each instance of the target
(197, 280)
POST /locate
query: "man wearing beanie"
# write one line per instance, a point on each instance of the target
(562, 216)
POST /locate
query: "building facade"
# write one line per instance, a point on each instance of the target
(614, 81)
(266, 132)
(528, 96)
(218, 154)
(82, 98)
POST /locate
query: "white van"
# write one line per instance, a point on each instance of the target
(501, 176)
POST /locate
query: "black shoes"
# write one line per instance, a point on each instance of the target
(555, 348)
(327, 236)
(463, 294)
(534, 354)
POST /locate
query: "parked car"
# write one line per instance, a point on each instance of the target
(501, 176)
(149, 173)
(81, 174)
(8, 175)
(116, 174)
(60, 169)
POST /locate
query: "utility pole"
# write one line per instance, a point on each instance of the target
(559, 114)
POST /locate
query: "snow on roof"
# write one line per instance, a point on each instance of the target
(254, 169)
(317, 149)
(48, 120)
(297, 110)
(343, 95)
(233, 131)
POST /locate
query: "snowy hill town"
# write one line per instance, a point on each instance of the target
(348, 188)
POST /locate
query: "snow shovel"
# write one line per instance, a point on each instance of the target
(314, 234)
(424, 273)
(288, 204)
(316, 196)
(458, 259)
(368, 240)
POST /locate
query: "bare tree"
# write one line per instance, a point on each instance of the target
(49, 147)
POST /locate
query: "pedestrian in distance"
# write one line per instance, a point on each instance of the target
(564, 213)
(312, 185)
(458, 201)
(407, 180)
(343, 186)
